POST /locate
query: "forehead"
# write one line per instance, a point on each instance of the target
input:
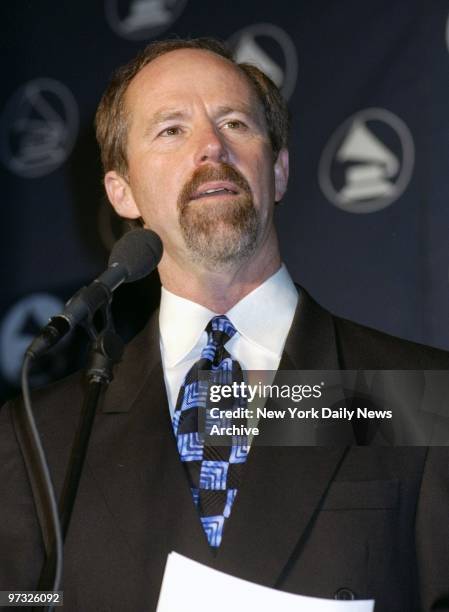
(185, 75)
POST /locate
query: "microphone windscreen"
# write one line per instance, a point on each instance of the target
(139, 251)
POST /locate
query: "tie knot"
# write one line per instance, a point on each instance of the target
(220, 330)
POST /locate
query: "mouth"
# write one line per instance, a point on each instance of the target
(216, 189)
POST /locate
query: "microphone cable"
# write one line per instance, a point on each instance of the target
(44, 473)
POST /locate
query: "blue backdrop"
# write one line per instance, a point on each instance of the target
(364, 225)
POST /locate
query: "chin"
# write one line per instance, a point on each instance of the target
(222, 253)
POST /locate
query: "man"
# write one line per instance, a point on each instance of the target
(195, 146)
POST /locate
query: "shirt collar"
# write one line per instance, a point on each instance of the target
(265, 315)
(181, 323)
(256, 316)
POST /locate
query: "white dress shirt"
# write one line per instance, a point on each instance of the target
(262, 319)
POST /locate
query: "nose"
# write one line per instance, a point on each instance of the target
(210, 146)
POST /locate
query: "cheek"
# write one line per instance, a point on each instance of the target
(163, 179)
(157, 200)
(145, 185)
(263, 179)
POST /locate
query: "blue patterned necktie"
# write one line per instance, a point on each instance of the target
(214, 471)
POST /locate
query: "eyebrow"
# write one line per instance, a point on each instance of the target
(246, 109)
(225, 110)
(173, 114)
(164, 115)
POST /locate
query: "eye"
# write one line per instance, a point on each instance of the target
(235, 124)
(173, 130)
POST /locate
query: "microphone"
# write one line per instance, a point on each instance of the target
(133, 257)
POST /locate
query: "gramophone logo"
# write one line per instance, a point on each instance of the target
(142, 19)
(368, 162)
(272, 50)
(18, 328)
(38, 128)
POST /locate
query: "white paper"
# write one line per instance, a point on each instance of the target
(189, 586)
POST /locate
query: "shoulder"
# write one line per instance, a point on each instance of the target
(62, 397)
(361, 346)
(55, 400)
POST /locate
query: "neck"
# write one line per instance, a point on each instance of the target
(219, 289)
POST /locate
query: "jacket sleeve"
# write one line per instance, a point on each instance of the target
(432, 532)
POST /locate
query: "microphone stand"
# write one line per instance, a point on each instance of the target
(105, 351)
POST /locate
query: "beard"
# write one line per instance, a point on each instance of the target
(223, 232)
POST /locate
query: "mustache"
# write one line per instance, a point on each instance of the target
(222, 172)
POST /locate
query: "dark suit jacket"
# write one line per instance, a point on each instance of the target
(307, 520)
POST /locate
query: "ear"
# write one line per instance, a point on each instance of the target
(120, 195)
(281, 174)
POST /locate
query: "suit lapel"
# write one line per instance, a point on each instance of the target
(283, 486)
(134, 460)
(311, 342)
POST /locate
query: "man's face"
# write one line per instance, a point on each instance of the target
(200, 165)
